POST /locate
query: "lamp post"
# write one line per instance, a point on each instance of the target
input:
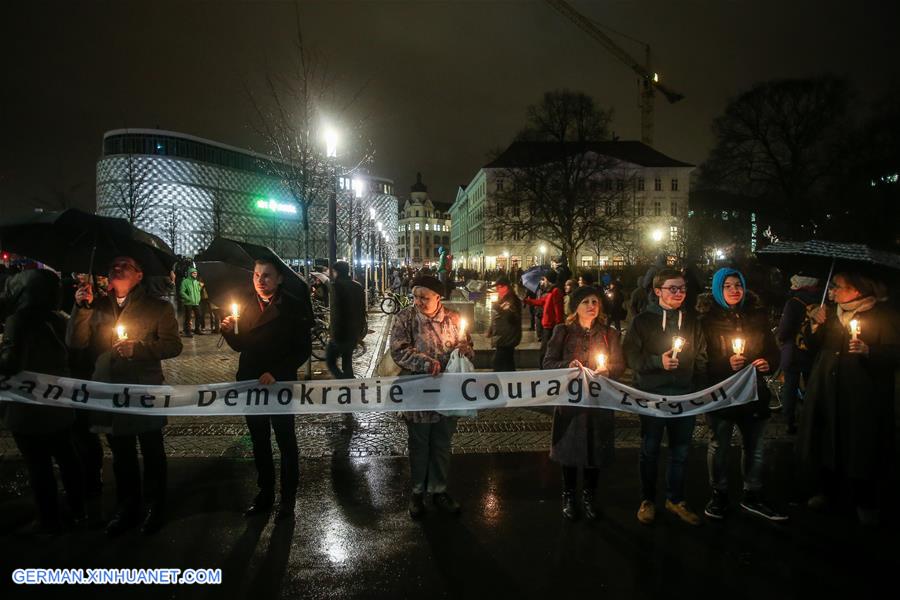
(384, 255)
(331, 140)
(370, 260)
(379, 279)
(359, 186)
(543, 254)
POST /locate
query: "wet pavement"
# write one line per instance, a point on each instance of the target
(352, 538)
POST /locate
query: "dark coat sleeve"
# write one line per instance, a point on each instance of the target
(14, 348)
(616, 361)
(167, 343)
(555, 358)
(636, 355)
(701, 359)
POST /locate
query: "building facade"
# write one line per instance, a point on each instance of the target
(424, 227)
(645, 195)
(187, 190)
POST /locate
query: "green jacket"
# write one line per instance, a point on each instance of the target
(190, 291)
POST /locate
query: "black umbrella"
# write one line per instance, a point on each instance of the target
(74, 240)
(531, 278)
(227, 268)
(816, 255)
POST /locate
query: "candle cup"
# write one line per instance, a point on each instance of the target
(854, 329)
(601, 361)
(120, 333)
(234, 313)
(463, 323)
(737, 345)
(677, 345)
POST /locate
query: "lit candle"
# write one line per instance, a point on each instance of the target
(120, 332)
(462, 328)
(737, 345)
(677, 345)
(234, 313)
(601, 361)
(854, 329)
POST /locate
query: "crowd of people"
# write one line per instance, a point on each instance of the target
(839, 356)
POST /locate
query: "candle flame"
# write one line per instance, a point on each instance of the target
(120, 332)
(234, 310)
(737, 345)
(854, 326)
(462, 326)
(601, 361)
(677, 343)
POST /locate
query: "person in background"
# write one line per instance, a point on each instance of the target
(350, 324)
(616, 302)
(731, 312)
(796, 357)
(506, 325)
(190, 298)
(551, 305)
(569, 288)
(583, 438)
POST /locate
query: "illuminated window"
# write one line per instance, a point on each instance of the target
(417, 226)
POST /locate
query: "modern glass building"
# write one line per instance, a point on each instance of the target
(187, 190)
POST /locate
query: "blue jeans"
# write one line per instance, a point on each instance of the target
(680, 431)
(720, 432)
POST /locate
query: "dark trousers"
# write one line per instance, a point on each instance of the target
(128, 471)
(344, 350)
(191, 318)
(680, 430)
(261, 427)
(790, 392)
(206, 310)
(721, 431)
(570, 478)
(39, 451)
(504, 359)
(429, 455)
(90, 452)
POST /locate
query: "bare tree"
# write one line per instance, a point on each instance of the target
(781, 142)
(289, 115)
(560, 187)
(133, 195)
(171, 227)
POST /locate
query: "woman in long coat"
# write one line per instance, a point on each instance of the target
(583, 437)
(847, 427)
(33, 341)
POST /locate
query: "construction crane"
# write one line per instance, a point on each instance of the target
(649, 80)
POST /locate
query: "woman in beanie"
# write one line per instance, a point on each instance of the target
(583, 437)
(847, 426)
(422, 338)
(729, 313)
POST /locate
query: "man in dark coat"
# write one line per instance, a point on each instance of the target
(274, 341)
(796, 358)
(150, 334)
(349, 326)
(33, 340)
(506, 325)
(648, 349)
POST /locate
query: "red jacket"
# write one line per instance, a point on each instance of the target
(552, 304)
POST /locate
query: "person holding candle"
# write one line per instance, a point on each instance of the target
(505, 330)
(736, 327)
(272, 336)
(846, 436)
(583, 438)
(660, 369)
(423, 336)
(152, 336)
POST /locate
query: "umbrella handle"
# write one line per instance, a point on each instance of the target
(827, 282)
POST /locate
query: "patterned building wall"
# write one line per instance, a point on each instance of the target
(189, 192)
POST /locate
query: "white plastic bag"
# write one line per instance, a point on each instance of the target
(459, 364)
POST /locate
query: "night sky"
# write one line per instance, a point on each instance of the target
(444, 82)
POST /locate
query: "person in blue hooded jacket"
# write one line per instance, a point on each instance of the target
(736, 328)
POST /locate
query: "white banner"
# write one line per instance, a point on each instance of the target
(449, 391)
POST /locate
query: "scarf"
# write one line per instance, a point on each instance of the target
(847, 311)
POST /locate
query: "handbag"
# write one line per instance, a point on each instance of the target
(458, 364)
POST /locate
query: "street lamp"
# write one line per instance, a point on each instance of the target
(657, 235)
(543, 254)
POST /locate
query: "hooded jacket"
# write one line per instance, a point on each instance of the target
(751, 323)
(650, 335)
(190, 291)
(33, 341)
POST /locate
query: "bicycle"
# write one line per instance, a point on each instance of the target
(392, 303)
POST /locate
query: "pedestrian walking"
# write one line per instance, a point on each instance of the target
(190, 299)
(648, 349)
(736, 327)
(847, 429)
(505, 329)
(149, 335)
(616, 302)
(34, 340)
(423, 337)
(208, 309)
(583, 438)
(349, 323)
(273, 340)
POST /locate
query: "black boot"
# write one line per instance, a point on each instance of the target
(569, 510)
(590, 511)
(262, 504)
